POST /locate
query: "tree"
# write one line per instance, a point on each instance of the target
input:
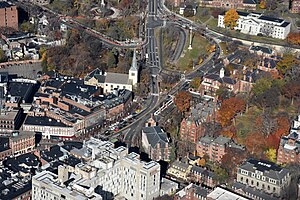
(255, 143)
(266, 124)
(261, 86)
(233, 158)
(286, 63)
(267, 30)
(267, 99)
(229, 108)
(188, 11)
(262, 4)
(182, 101)
(292, 90)
(223, 93)
(111, 60)
(271, 154)
(294, 38)
(3, 57)
(230, 19)
(195, 83)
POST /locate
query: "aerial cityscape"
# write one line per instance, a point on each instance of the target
(149, 99)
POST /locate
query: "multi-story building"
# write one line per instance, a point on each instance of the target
(49, 127)
(192, 192)
(203, 176)
(179, 170)
(295, 6)
(264, 175)
(212, 82)
(288, 151)
(22, 142)
(156, 143)
(10, 119)
(220, 193)
(257, 23)
(215, 148)
(191, 128)
(110, 172)
(8, 15)
(227, 4)
(47, 185)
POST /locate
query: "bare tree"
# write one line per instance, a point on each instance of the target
(267, 30)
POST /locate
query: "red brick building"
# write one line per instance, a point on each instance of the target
(295, 6)
(190, 130)
(227, 4)
(215, 148)
(288, 151)
(8, 15)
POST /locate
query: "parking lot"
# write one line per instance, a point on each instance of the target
(26, 69)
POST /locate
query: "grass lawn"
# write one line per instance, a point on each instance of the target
(199, 48)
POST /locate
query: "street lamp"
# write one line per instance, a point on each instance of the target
(191, 37)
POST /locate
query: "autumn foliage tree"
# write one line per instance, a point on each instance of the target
(230, 19)
(182, 101)
(262, 4)
(232, 159)
(294, 38)
(229, 108)
(287, 63)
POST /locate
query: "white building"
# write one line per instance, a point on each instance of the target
(256, 23)
(114, 81)
(111, 172)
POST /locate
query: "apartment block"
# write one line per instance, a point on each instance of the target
(265, 176)
(215, 148)
(8, 15)
(288, 150)
(257, 23)
(109, 172)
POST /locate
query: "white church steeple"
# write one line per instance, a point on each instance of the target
(134, 71)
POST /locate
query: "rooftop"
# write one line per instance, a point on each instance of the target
(117, 78)
(155, 136)
(43, 121)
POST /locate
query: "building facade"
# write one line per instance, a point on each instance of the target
(22, 142)
(288, 151)
(295, 6)
(265, 176)
(111, 172)
(227, 4)
(8, 15)
(215, 148)
(257, 23)
(190, 129)
(156, 143)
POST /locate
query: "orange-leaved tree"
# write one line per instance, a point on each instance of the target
(229, 108)
(294, 38)
(230, 19)
(182, 101)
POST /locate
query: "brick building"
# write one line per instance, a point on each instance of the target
(8, 15)
(288, 151)
(191, 128)
(227, 4)
(203, 176)
(295, 6)
(10, 119)
(215, 148)
(22, 142)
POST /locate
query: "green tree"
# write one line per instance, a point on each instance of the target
(261, 86)
(26, 26)
(287, 63)
(195, 83)
(111, 60)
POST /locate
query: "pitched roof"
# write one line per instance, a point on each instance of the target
(156, 135)
(117, 78)
(225, 79)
